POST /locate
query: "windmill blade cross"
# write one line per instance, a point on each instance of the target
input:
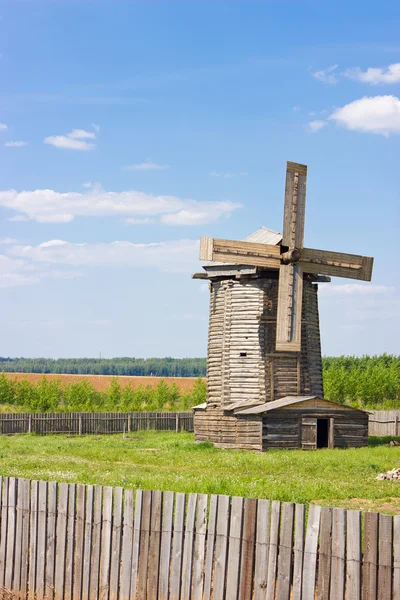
(295, 205)
(337, 264)
(290, 301)
(240, 253)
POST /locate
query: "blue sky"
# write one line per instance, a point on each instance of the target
(130, 129)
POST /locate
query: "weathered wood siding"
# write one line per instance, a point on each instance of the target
(225, 430)
(242, 362)
(283, 428)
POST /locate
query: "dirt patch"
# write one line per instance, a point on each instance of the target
(102, 382)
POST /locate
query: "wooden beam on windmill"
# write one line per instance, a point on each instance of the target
(290, 258)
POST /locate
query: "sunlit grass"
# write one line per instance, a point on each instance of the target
(169, 461)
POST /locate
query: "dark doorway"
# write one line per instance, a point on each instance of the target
(322, 433)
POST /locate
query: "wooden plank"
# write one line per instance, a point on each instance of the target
(338, 553)
(211, 530)
(262, 549)
(18, 537)
(188, 547)
(11, 532)
(137, 527)
(337, 264)
(370, 556)
(69, 559)
(3, 531)
(248, 548)
(154, 544)
(221, 547)
(41, 540)
(290, 300)
(25, 489)
(199, 548)
(79, 540)
(165, 548)
(273, 550)
(298, 553)
(105, 554)
(51, 540)
(86, 595)
(127, 543)
(353, 555)
(235, 535)
(295, 205)
(285, 552)
(33, 524)
(325, 554)
(396, 557)
(177, 546)
(144, 546)
(61, 541)
(206, 248)
(116, 540)
(385, 557)
(96, 544)
(310, 552)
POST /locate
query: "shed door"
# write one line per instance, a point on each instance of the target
(309, 433)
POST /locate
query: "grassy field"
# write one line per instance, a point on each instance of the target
(169, 461)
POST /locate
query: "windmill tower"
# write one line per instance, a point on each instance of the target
(264, 339)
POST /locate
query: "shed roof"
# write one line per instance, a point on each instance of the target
(286, 401)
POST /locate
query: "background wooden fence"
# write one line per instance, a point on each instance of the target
(98, 422)
(381, 422)
(66, 541)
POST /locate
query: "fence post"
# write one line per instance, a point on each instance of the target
(80, 425)
(177, 422)
(396, 425)
(129, 423)
(30, 424)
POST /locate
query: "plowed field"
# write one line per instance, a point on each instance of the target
(102, 382)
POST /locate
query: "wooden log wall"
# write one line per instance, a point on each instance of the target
(72, 542)
(242, 362)
(94, 423)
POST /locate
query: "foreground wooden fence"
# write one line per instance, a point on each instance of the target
(381, 422)
(98, 422)
(66, 541)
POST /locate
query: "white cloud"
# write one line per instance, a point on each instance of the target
(374, 76)
(16, 144)
(172, 256)
(8, 240)
(145, 221)
(3, 126)
(49, 206)
(74, 140)
(314, 126)
(355, 289)
(81, 134)
(96, 127)
(327, 75)
(227, 174)
(377, 114)
(17, 272)
(147, 165)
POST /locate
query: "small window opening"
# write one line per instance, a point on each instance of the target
(322, 433)
(242, 354)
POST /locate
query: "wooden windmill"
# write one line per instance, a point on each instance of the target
(264, 341)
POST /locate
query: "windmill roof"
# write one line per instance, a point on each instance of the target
(261, 236)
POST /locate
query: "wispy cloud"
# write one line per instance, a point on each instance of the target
(327, 75)
(355, 289)
(49, 206)
(146, 165)
(374, 76)
(377, 114)
(3, 127)
(227, 174)
(314, 126)
(74, 140)
(8, 240)
(145, 221)
(15, 144)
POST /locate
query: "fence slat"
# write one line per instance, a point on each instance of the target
(86, 595)
(165, 550)
(338, 553)
(199, 547)
(285, 551)
(353, 555)
(188, 547)
(116, 543)
(273, 549)
(370, 557)
(221, 547)
(61, 533)
(25, 489)
(248, 548)
(325, 554)
(11, 531)
(154, 544)
(396, 557)
(144, 546)
(298, 551)
(136, 542)
(385, 557)
(127, 542)
(18, 537)
(105, 553)
(208, 571)
(177, 546)
(310, 552)
(51, 540)
(262, 549)
(69, 558)
(3, 534)
(33, 536)
(96, 544)
(235, 535)
(79, 540)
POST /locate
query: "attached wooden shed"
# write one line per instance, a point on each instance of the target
(307, 422)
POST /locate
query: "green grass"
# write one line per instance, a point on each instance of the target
(169, 461)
